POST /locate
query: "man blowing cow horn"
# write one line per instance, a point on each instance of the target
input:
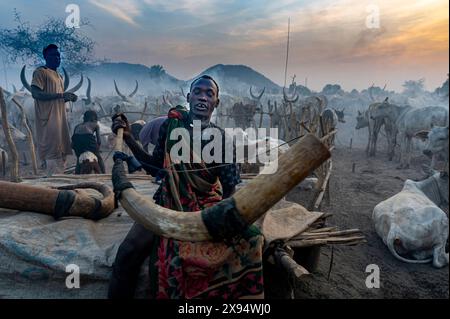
(199, 235)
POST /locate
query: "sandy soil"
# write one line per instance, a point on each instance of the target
(352, 199)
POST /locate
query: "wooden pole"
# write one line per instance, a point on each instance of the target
(353, 167)
(324, 187)
(3, 163)
(351, 141)
(145, 109)
(29, 136)
(12, 147)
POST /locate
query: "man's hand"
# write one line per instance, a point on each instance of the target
(121, 121)
(69, 96)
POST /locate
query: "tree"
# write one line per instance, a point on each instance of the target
(414, 87)
(157, 72)
(24, 43)
(331, 89)
(443, 90)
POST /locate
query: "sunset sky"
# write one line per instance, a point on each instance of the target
(330, 42)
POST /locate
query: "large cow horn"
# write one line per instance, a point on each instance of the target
(24, 79)
(66, 79)
(118, 92)
(135, 90)
(292, 99)
(78, 86)
(88, 99)
(259, 96)
(232, 214)
(58, 202)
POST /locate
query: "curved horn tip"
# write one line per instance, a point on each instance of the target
(24, 79)
(66, 79)
(135, 90)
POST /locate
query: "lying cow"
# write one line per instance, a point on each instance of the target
(412, 225)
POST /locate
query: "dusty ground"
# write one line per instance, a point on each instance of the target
(353, 197)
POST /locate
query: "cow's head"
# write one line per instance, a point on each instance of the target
(437, 140)
(361, 121)
(441, 179)
(340, 115)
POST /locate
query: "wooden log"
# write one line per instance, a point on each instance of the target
(285, 261)
(12, 146)
(29, 135)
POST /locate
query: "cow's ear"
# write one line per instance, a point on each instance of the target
(423, 135)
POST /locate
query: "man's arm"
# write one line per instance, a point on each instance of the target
(39, 94)
(151, 163)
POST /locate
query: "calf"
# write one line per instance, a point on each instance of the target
(411, 223)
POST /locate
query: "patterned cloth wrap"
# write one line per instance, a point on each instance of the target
(184, 270)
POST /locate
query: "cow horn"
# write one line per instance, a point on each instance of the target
(257, 97)
(88, 92)
(118, 92)
(14, 89)
(370, 93)
(24, 79)
(58, 202)
(135, 90)
(182, 91)
(66, 79)
(243, 208)
(78, 86)
(292, 99)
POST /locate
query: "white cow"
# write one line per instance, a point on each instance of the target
(412, 225)
(437, 143)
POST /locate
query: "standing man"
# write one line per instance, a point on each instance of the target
(52, 129)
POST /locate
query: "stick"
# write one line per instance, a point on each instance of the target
(283, 259)
(12, 147)
(324, 186)
(119, 140)
(29, 136)
(3, 163)
(145, 109)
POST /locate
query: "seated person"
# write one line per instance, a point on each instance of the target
(86, 138)
(182, 269)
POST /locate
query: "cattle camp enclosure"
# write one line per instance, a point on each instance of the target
(326, 259)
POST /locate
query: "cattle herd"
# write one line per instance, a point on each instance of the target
(411, 223)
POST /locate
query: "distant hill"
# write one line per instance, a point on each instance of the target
(237, 79)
